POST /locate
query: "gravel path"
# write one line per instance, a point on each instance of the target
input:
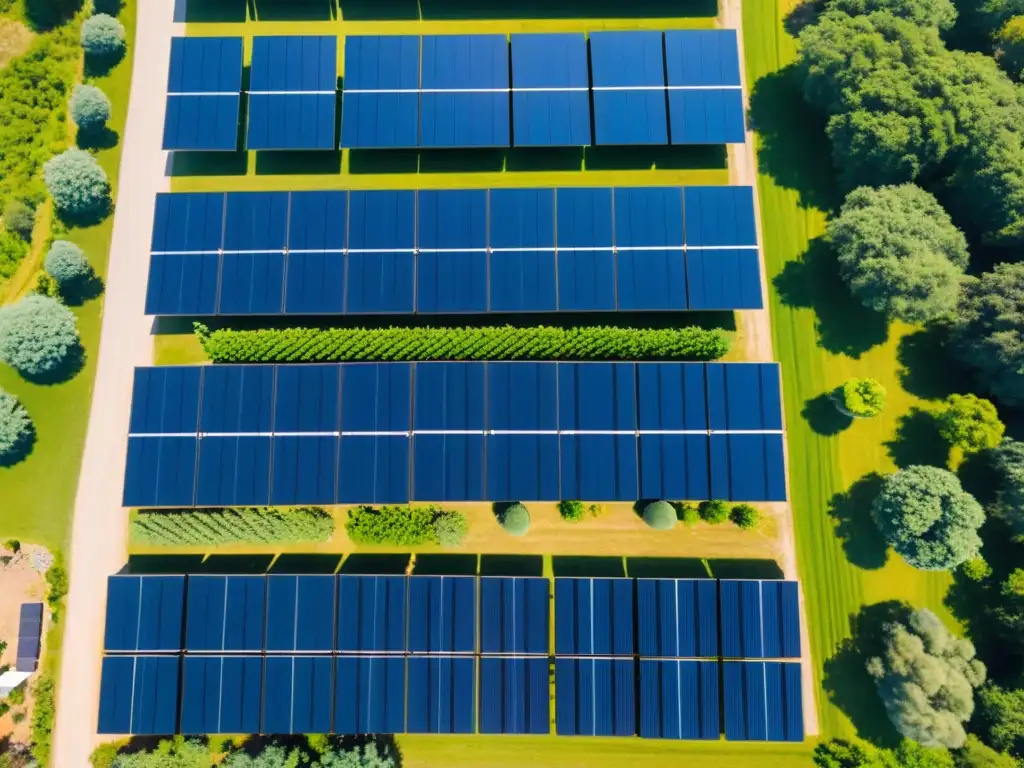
(99, 527)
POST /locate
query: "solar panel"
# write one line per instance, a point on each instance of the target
(370, 695)
(550, 90)
(221, 694)
(595, 697)
(515, 695)
(204, 87)
(442, 695)
(705, 98)
(225, 613)
(514, 615)
(594, 617)
(678, 699)
(677, 618)
(760, 619)
(293, 93)
(372, 614)
(763, 701)
(628, 75)
(381, 97)
(30, 636)
(144, 613)
(442, 614)
(300, 613)
(298, 694)
(139, 695)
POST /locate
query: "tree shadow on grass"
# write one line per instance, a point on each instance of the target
(88, 218)
(918, 442)
(85, 290)
(846, 681)
(793, 149)
(98, 138)
(844, 325)
(862, 542)
(927, 369)
(823, 417)
(21, 449)
(98, 66)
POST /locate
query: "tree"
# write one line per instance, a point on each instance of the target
(928, 518)
(660, 515)
(516, 520)
(103, 38)
(16, 430)
(12, 250)
(178, 752)
(1010, 46)
(45, 14)
(970, 424)
(272, 756)
(451, 528)
(910, 754)
(691, 514)
(89, 108)
(926, 679)
(1001, 718)
(38, 335)
(924, 13)
(840, 753)
(1008, 462)
(861, 398)
(899, 252)
(745, 516)
(975, 754)
(66, 263)
(714, 511)
(20, 219)
(369, 756)
(78, 184)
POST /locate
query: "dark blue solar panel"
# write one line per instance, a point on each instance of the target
(586, 281)
(596, 396)
(630, 117)
(374, 63)
(298, 694)
(233, 470)
(724, 279)
(521, 396)
(294, 63)
(465, 62)
(256, 221)
(748, 467)
(744, 396)
(522, 218)
(671, 396)
(595, 697)
(442, 695)
(139, 695)
(116, 682)
(165, 400)
(442, 614)
(382, 220)
(252, 284)
(379, 120)
(375, 397)
(122, 623)
(626, 59)
(452, 219)
(373, 470)
(523, 281)
(370, 695)
(202, 123)
(305, 470)
(623, 60)
(465, 119)
(711, 116)
(182, 284)
(702, 57)
(549, 61)
(448, 281)
(651, 280)
(380, 283)
(160, 472)
(307, 398)
(237, 398)
(522, 468)
(300, 613)
(763, 701)
(225, 613)
(191, 221)
(221, 694)
(145, 613)
(719, 216)
(451, 396)
(674, 467)
(584, 217)
(382, 63)
(515, 695)
(317, 221)
(291, 121)
(599, 467)
(514, 615)
(550, 117)
(371, 613)
(678, 699)
(594, 617)
(316, 284)
(205, 65)
(677, 617)
(648, 216)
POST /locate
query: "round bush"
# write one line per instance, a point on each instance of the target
(516, 520)
(862, 398)
(89, 107)
(451, 528)
(691, 515)
(66, 263)
(745, 516)
(714, 511)
(571, 510)
(15, 427)
(37, 335)
(20, 219)
(77, 183)
(660, 515)
(103, 37)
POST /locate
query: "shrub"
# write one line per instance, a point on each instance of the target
(691, 514)
(571, 510)
(37, 335)
(404, 526)
(489, 343)
(660, 515)
(42, 718)
(103, 37)
(16, 697)
(862, 398)
(976, 569)
(242, 525)
(89, 108)
(745, 516)
(13, 250)
(12, 545)
(78, 185)
(66, 263)
(57, 581)
(970, 423)
(516, 520)
(1000, 718)
(103, 756)
(20, 219)
(46, 285)
(16, 433)
(714, 512)
(450, 528)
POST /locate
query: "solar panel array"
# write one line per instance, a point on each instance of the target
(454, 251)
(232, 435)
(677, 87)
(203, 93)
(325, 654)
(30, 636)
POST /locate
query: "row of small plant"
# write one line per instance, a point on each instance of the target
(406, 526)
(245, 525)
(281, 345)
(663, 515)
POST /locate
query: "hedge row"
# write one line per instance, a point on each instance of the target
(245, 525)
(406, 526)
(494, 343)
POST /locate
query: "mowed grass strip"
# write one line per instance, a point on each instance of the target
(822, 337)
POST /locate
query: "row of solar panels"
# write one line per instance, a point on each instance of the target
(30, 636)
(452, 251)
(670, 618)
(391, 432)
(450, 91)
(148, 695)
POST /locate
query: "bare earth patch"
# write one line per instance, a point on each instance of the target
(15, 38)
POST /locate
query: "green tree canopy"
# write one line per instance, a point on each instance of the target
(1008, 461)
(103, 37)
(37, 335)
(1001, 718)
(660, 515)
(926, 678)
(78, 184)
(928, 518)
(89, 108)
(987, 334)
(16, 430)
(516, 520)
(862, 398)
(924, 13)
(173, 753)
(899, 252)
(976, 754)
(970, 423)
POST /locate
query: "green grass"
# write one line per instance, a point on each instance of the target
(39, 493)
(821, 338)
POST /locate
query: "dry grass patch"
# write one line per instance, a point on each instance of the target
(15, 39)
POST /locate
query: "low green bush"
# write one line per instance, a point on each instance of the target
(490, 343)
(20, 219)
(89, 107)
(242, 525)
(16, 697)
(571, 510)
(515, 519)
(862, 398)
(57, 583)
(13, 250)
(43, 711)
(404, 526)
(450, 528)
(976, 569)
(714, 512)
(12, 545)
(691, 514)
(660, 515)
(745, 516)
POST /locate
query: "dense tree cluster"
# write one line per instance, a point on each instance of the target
(1008, 461)
(406, 526)
(190, 753)
(926, 678)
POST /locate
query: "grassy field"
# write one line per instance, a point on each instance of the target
(39, 493)
(821, 338)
